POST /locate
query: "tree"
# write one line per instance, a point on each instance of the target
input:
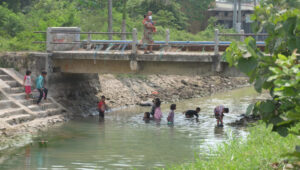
(124, 15)
(277, 69)
(110, 20)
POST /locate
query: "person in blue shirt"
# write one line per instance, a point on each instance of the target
(40, 86)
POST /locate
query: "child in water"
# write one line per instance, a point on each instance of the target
(158, 113)
(146, 117)
(219, 114)
(27, 84)
(170, 117)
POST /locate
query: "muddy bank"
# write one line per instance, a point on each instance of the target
(81, 92)
(125, 90)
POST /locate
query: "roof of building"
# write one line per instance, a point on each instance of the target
(228, 6)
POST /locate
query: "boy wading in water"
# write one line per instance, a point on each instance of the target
(219, 114)
(40, 81)
(101, 108)
(192, 113)
(27, 84)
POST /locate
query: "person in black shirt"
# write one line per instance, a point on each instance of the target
(192, 113)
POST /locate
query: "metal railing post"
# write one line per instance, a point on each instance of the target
(49, 40)
(167, 36)
(218, 63)
(134, 41)
(89, 39)
(242, 37)
(216, 42)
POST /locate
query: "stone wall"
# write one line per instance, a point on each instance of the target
(22, 61)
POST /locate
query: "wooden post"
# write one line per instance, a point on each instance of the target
(216, 42)
(242, 37)
(167, 36)
(134, 41)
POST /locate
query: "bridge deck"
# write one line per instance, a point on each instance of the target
(126, 56)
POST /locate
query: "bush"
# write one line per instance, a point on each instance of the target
(260, 150)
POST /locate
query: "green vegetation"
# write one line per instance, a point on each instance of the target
(20, 18)
(260, 150)
(278, 73)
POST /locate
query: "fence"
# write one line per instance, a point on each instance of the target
(242, 36)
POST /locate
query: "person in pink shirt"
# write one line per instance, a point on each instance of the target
(27, 84)
(170, 117)
(158, 113)
(219, 114)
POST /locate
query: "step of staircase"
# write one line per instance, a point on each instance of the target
(4, 104)
(5, 113)
(13, 90)
(32, 101)
(13, 83)
(2, 72)
(42, 106)
(5, 77)
(18, 96)
(49, 112)
(18, 119)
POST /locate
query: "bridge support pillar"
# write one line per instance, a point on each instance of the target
(134, 65)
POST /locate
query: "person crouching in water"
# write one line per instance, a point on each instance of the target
(219, 114)
(40, 81)
(101, 108)
(171, 115)
(192, 113)
(157, 113)
(147, 117)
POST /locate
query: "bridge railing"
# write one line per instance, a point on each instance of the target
(242, 36)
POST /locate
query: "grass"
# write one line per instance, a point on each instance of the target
(259, 151)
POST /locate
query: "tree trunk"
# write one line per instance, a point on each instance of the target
(124, 20)
(110, 19)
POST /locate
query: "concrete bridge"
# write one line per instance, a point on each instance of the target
(69, 54)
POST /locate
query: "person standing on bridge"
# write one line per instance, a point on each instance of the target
(148, 35)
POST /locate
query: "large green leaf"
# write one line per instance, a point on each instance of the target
(259, 84)
(267, 106)
(247, 65)
(250, 109)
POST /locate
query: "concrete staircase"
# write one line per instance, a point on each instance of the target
(16, 111)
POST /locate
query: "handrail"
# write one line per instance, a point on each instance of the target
(240, 34)
(44, 32)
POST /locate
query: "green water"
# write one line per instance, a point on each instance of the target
(125, 141)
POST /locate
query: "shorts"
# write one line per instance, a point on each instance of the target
(28, 89)
(148, 38)
(219, 117)
(101, 114)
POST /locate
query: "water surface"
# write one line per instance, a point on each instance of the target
(125, 141)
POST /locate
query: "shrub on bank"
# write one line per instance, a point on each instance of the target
(262, 150)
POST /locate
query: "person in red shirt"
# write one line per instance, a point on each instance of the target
(102, 107)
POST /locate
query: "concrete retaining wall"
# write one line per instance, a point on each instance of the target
(22, 61)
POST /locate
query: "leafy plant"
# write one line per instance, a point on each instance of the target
(277, 69)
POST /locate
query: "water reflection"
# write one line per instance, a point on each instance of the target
(125, 141)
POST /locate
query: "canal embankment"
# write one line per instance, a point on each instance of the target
(79, 93)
